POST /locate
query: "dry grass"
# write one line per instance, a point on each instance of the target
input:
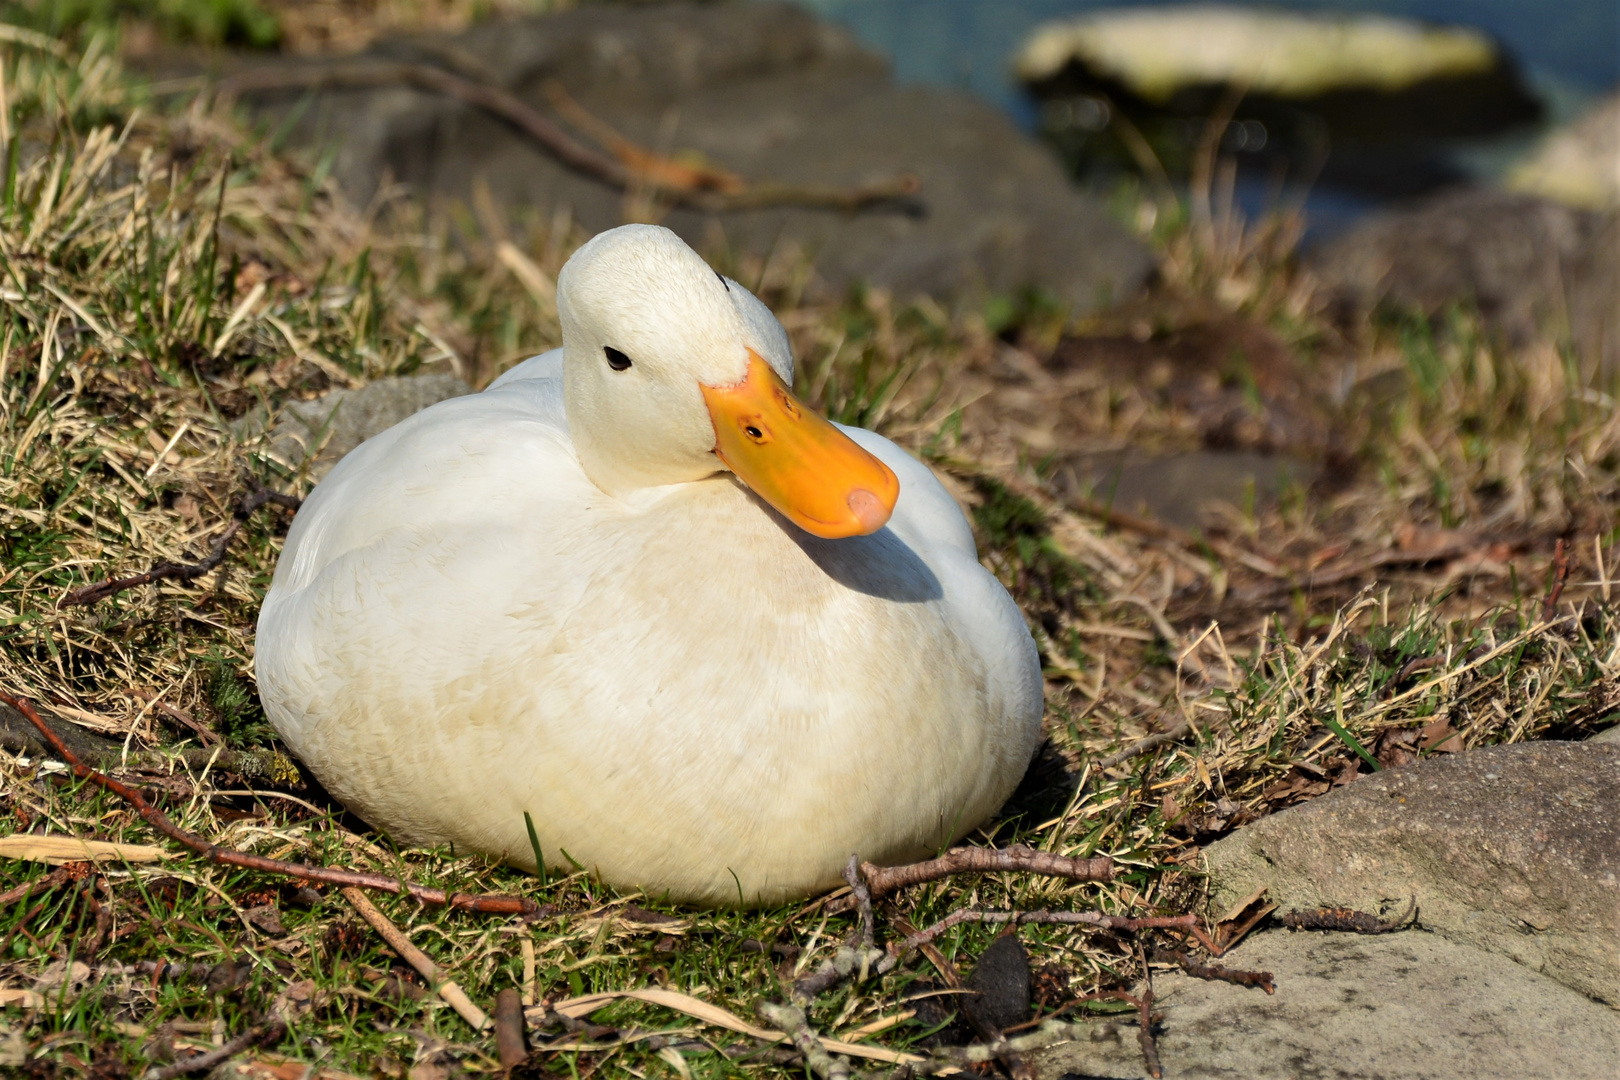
(166, 276)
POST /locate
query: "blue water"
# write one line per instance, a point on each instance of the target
(1569, 48)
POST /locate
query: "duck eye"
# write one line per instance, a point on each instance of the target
(616, 359)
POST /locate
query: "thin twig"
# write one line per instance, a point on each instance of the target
(863, 899)
(1216, 972)
(486, 904)
(1146, 745)
(52, 880)
(883, 880)
(572, 153)
(941, 962)
(1549, 606)
(1150, 1046)
(1359, 922)
(651, 168)
(18, 736)
(1019, 918)
(172, 571)
(447, 989)
(1154, 530)
(269, 1031)
(948, 1058)
(791, 1019)
(847, 962)
(1358, 569)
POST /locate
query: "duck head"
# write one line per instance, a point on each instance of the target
(671, 374)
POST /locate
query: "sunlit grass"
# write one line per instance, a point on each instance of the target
(167, 278)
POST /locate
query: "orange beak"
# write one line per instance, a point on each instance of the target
(796, 460)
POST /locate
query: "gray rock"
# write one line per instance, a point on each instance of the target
(1578, 164)
(763, 90)
(1365, 75)
(330, 426)
(1514, 849)
(1594, 298)
(1529, 264)
(1405, 1006)
(1607, 735)
(1183, 489)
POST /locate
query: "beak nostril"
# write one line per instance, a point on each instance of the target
(868, 510)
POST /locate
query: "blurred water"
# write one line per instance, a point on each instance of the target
(1569, 48)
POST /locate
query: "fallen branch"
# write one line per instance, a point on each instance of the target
(845, 963)
(654, 172)
(651, 168)
(1146, 745)
(857, 954)
(55, 879)
(949, 1058)
(447, 989)
(1216, 972)
(1094, 919)
(18, 736)
(883, 880)
(1347, 919)
(482, 904)
(1357, 570)
(269, 1031)
(170, 571)
(791, 1019)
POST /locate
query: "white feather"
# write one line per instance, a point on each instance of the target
(686, 693)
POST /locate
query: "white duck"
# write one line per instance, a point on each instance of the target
(638, 591)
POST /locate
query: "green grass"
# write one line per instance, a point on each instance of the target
(208, 22)
(123, 387)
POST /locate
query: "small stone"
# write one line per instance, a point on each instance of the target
(1001, 985)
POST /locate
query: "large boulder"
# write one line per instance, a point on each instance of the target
(1578, 164)
(1406, 1006)
(765, 91)
(1529, 264)
(1368, 76)
(1514, 849)
(1378, 91)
